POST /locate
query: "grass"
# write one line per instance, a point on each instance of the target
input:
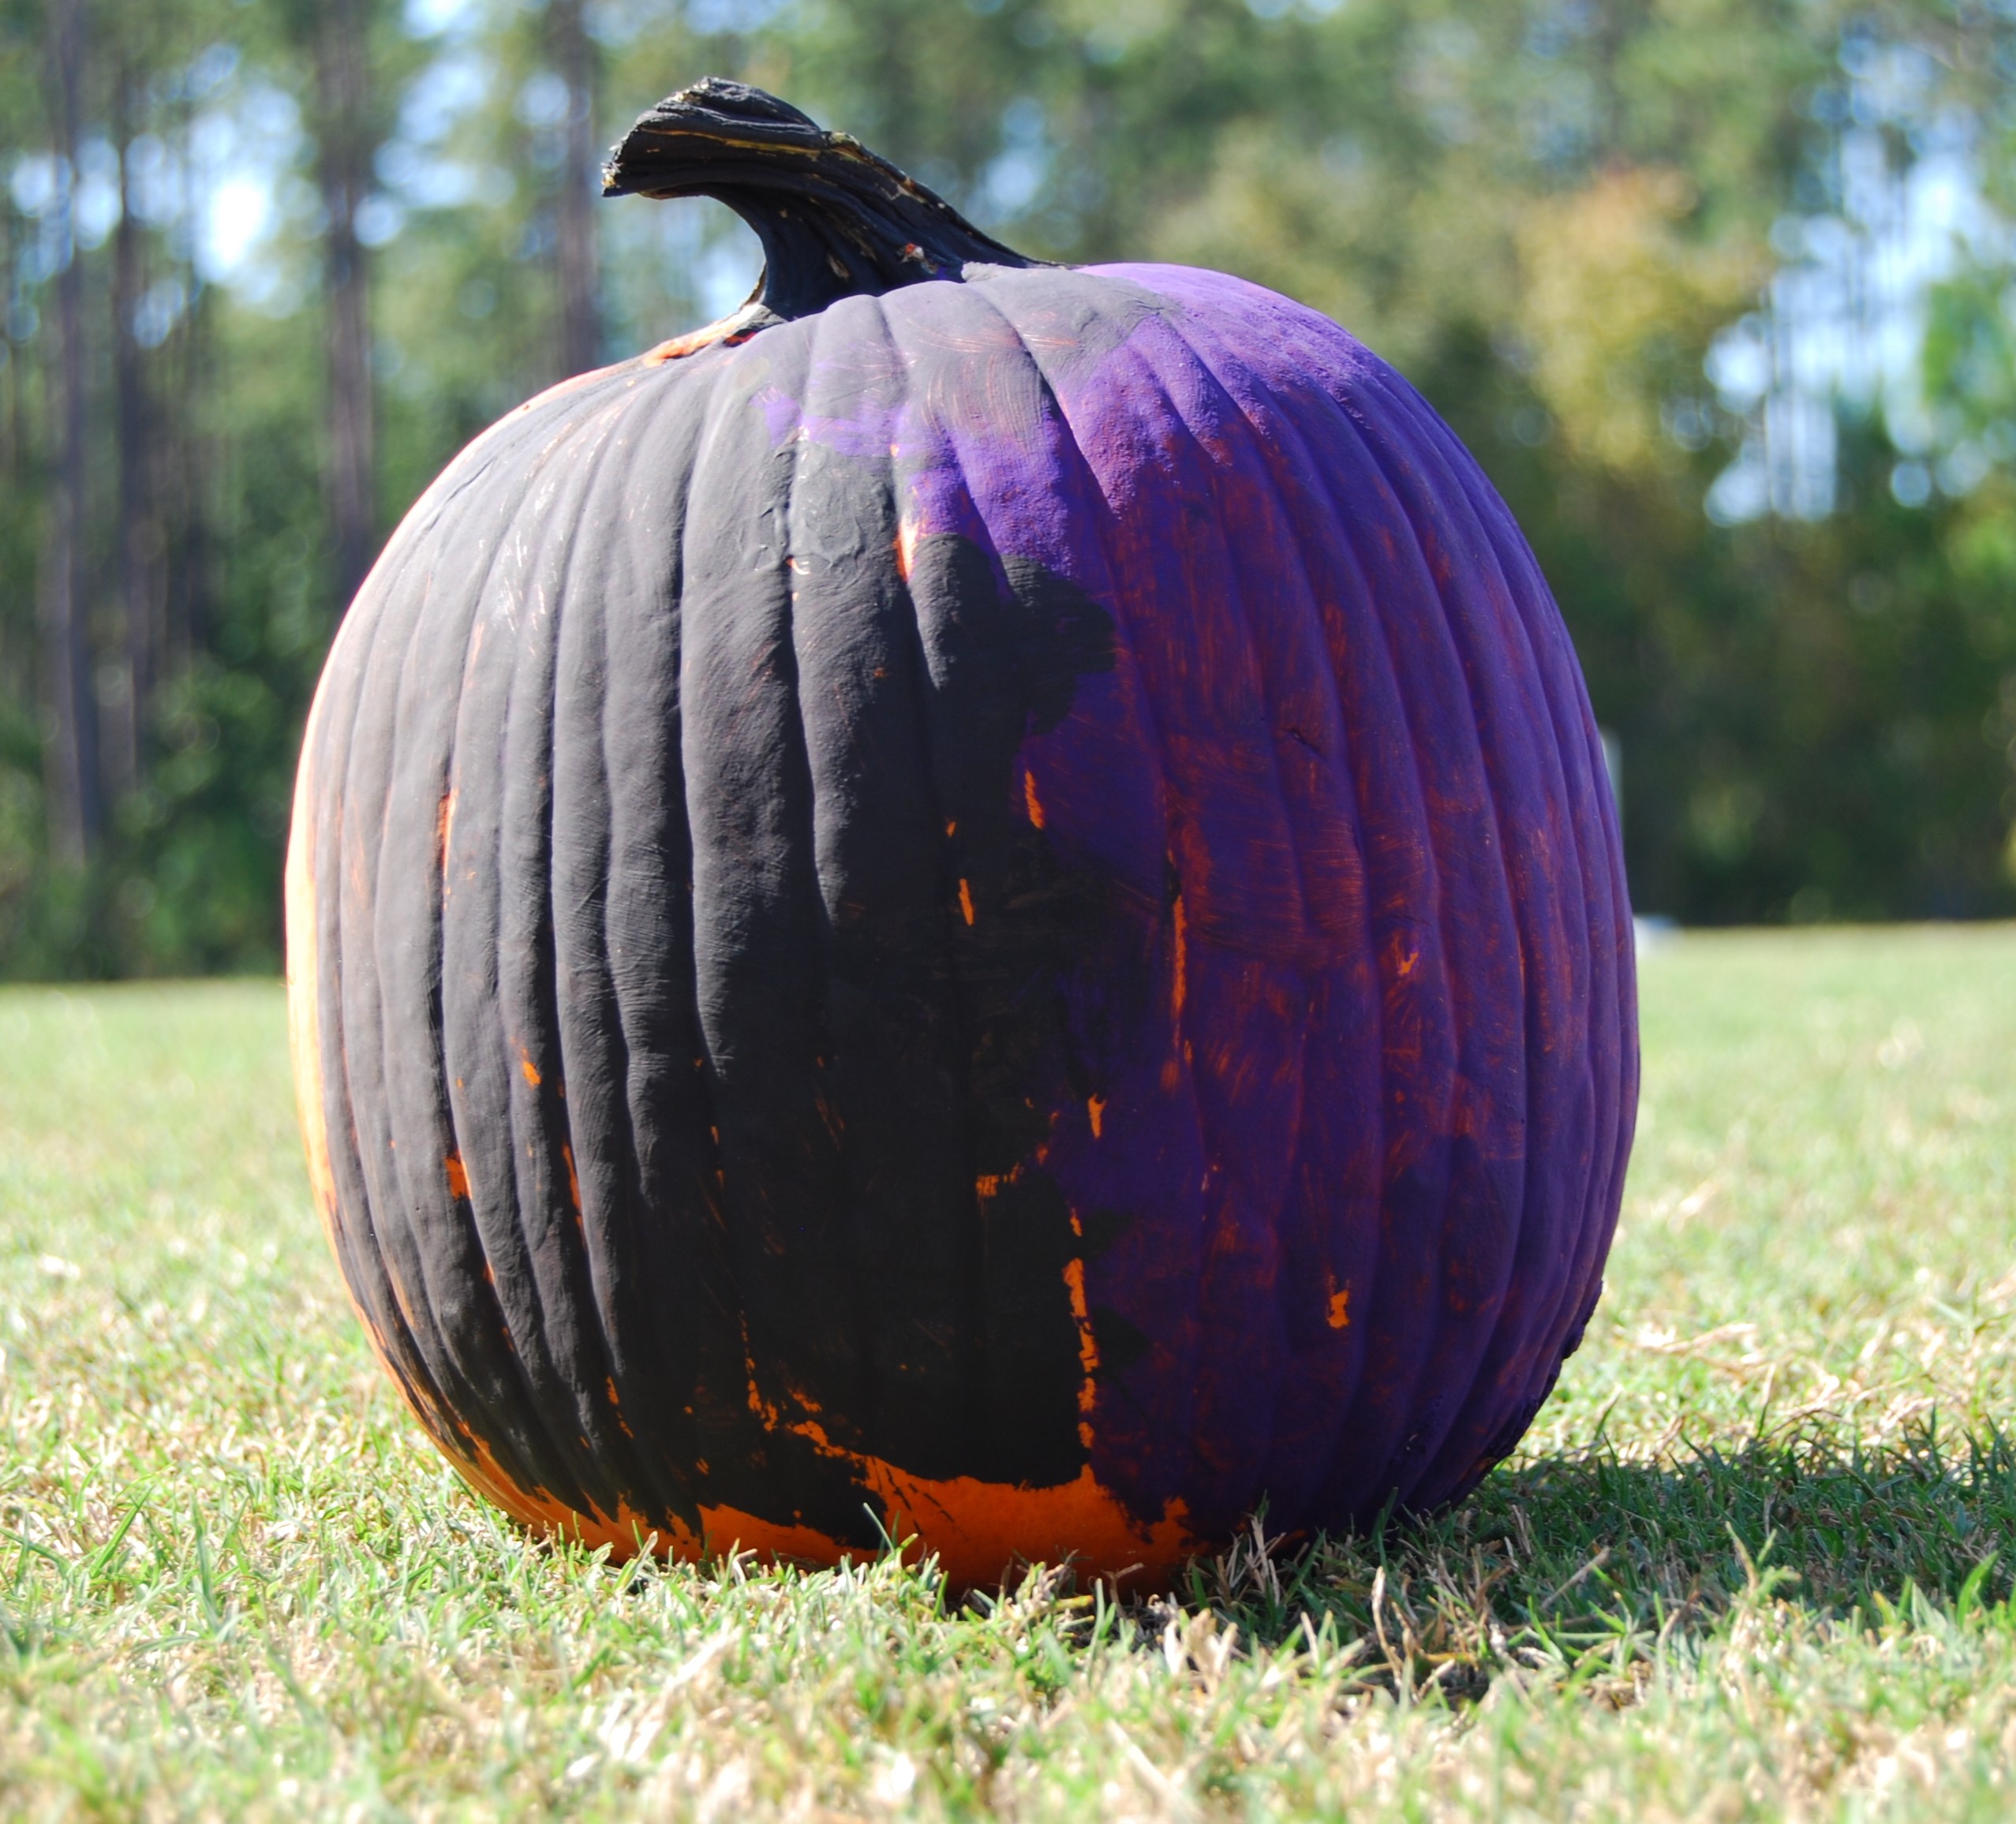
(1754, 1561)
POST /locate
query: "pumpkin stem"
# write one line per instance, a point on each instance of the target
(836, 220)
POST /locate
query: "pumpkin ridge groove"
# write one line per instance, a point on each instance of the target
(569, 1343)
(507, 1450)
(1528, 909)
(1352, 583)
(969, 1290)
(1521, 912)
(1306, 516)
(860, 1326)
(387, 647)
(476, 1049)
(1105, 527)
(1258, 463)
(1152, 369)
(1420, 1447)
(1225, 472)
(1603, 896)
(1376, 793)
(592, 1051)
(412, 667)
(365, 1276)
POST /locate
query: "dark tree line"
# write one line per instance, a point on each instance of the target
(268, 264)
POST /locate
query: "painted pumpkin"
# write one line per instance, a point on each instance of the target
(979, 904)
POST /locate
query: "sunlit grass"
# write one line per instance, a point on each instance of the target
(1754, 1561)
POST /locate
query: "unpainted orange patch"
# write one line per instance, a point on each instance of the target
(966, 901)
(1182, 959)
(1338, 1314)
(528, 1067)
(908, 532)
(1095, 1107)
(1029, 793)
(574, 1179)
(677, 348)
(304, 977)
(444, 831)
(978, 1530)
(458, 1177)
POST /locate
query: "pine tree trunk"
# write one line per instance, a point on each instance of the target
(574, 55)
(140, 534)
(76, 799)
(345, 170)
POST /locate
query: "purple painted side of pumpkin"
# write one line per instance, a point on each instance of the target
(1364, 1061)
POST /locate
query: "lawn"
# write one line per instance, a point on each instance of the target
(1754, 1560)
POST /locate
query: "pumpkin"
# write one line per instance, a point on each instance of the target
(979, 906)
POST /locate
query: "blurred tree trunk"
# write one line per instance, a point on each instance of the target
(574, 59)
(76, 793)
(343, 166)
(139, 532)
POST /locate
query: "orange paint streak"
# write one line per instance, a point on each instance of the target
(1029, 792)
(525, 1064)
(908, 532)
(1181, 957)
(458, 1177)
(444, 829)
(611, 1384)
(729, 332)
(1096, 1107)
(966, 901)
(1338, 1316)
(1088, 1350)
(573, 1182)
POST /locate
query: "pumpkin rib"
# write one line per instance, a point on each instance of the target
(1615, 1100)
(470, 925)
(1370, 1110)
(919, 1276)
(1105, 528)
(970, 1273)
(606, 1059)
(1581, 796)
(1578, 935)
(1543, 928)
(365, 1276)
(1520, 911)
(381, 650)
(855, 1326)
(1533, 1224)
(757, 911)
(1254, 449)
(1430, 1359)
(1387, 1320)
(978, 515)
(579, 1028)
(539, 1076)
(1251, 1215)
(477, 1195)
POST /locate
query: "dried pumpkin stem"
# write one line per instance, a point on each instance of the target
(836, 220)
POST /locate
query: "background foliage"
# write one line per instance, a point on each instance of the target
(1717, 290)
